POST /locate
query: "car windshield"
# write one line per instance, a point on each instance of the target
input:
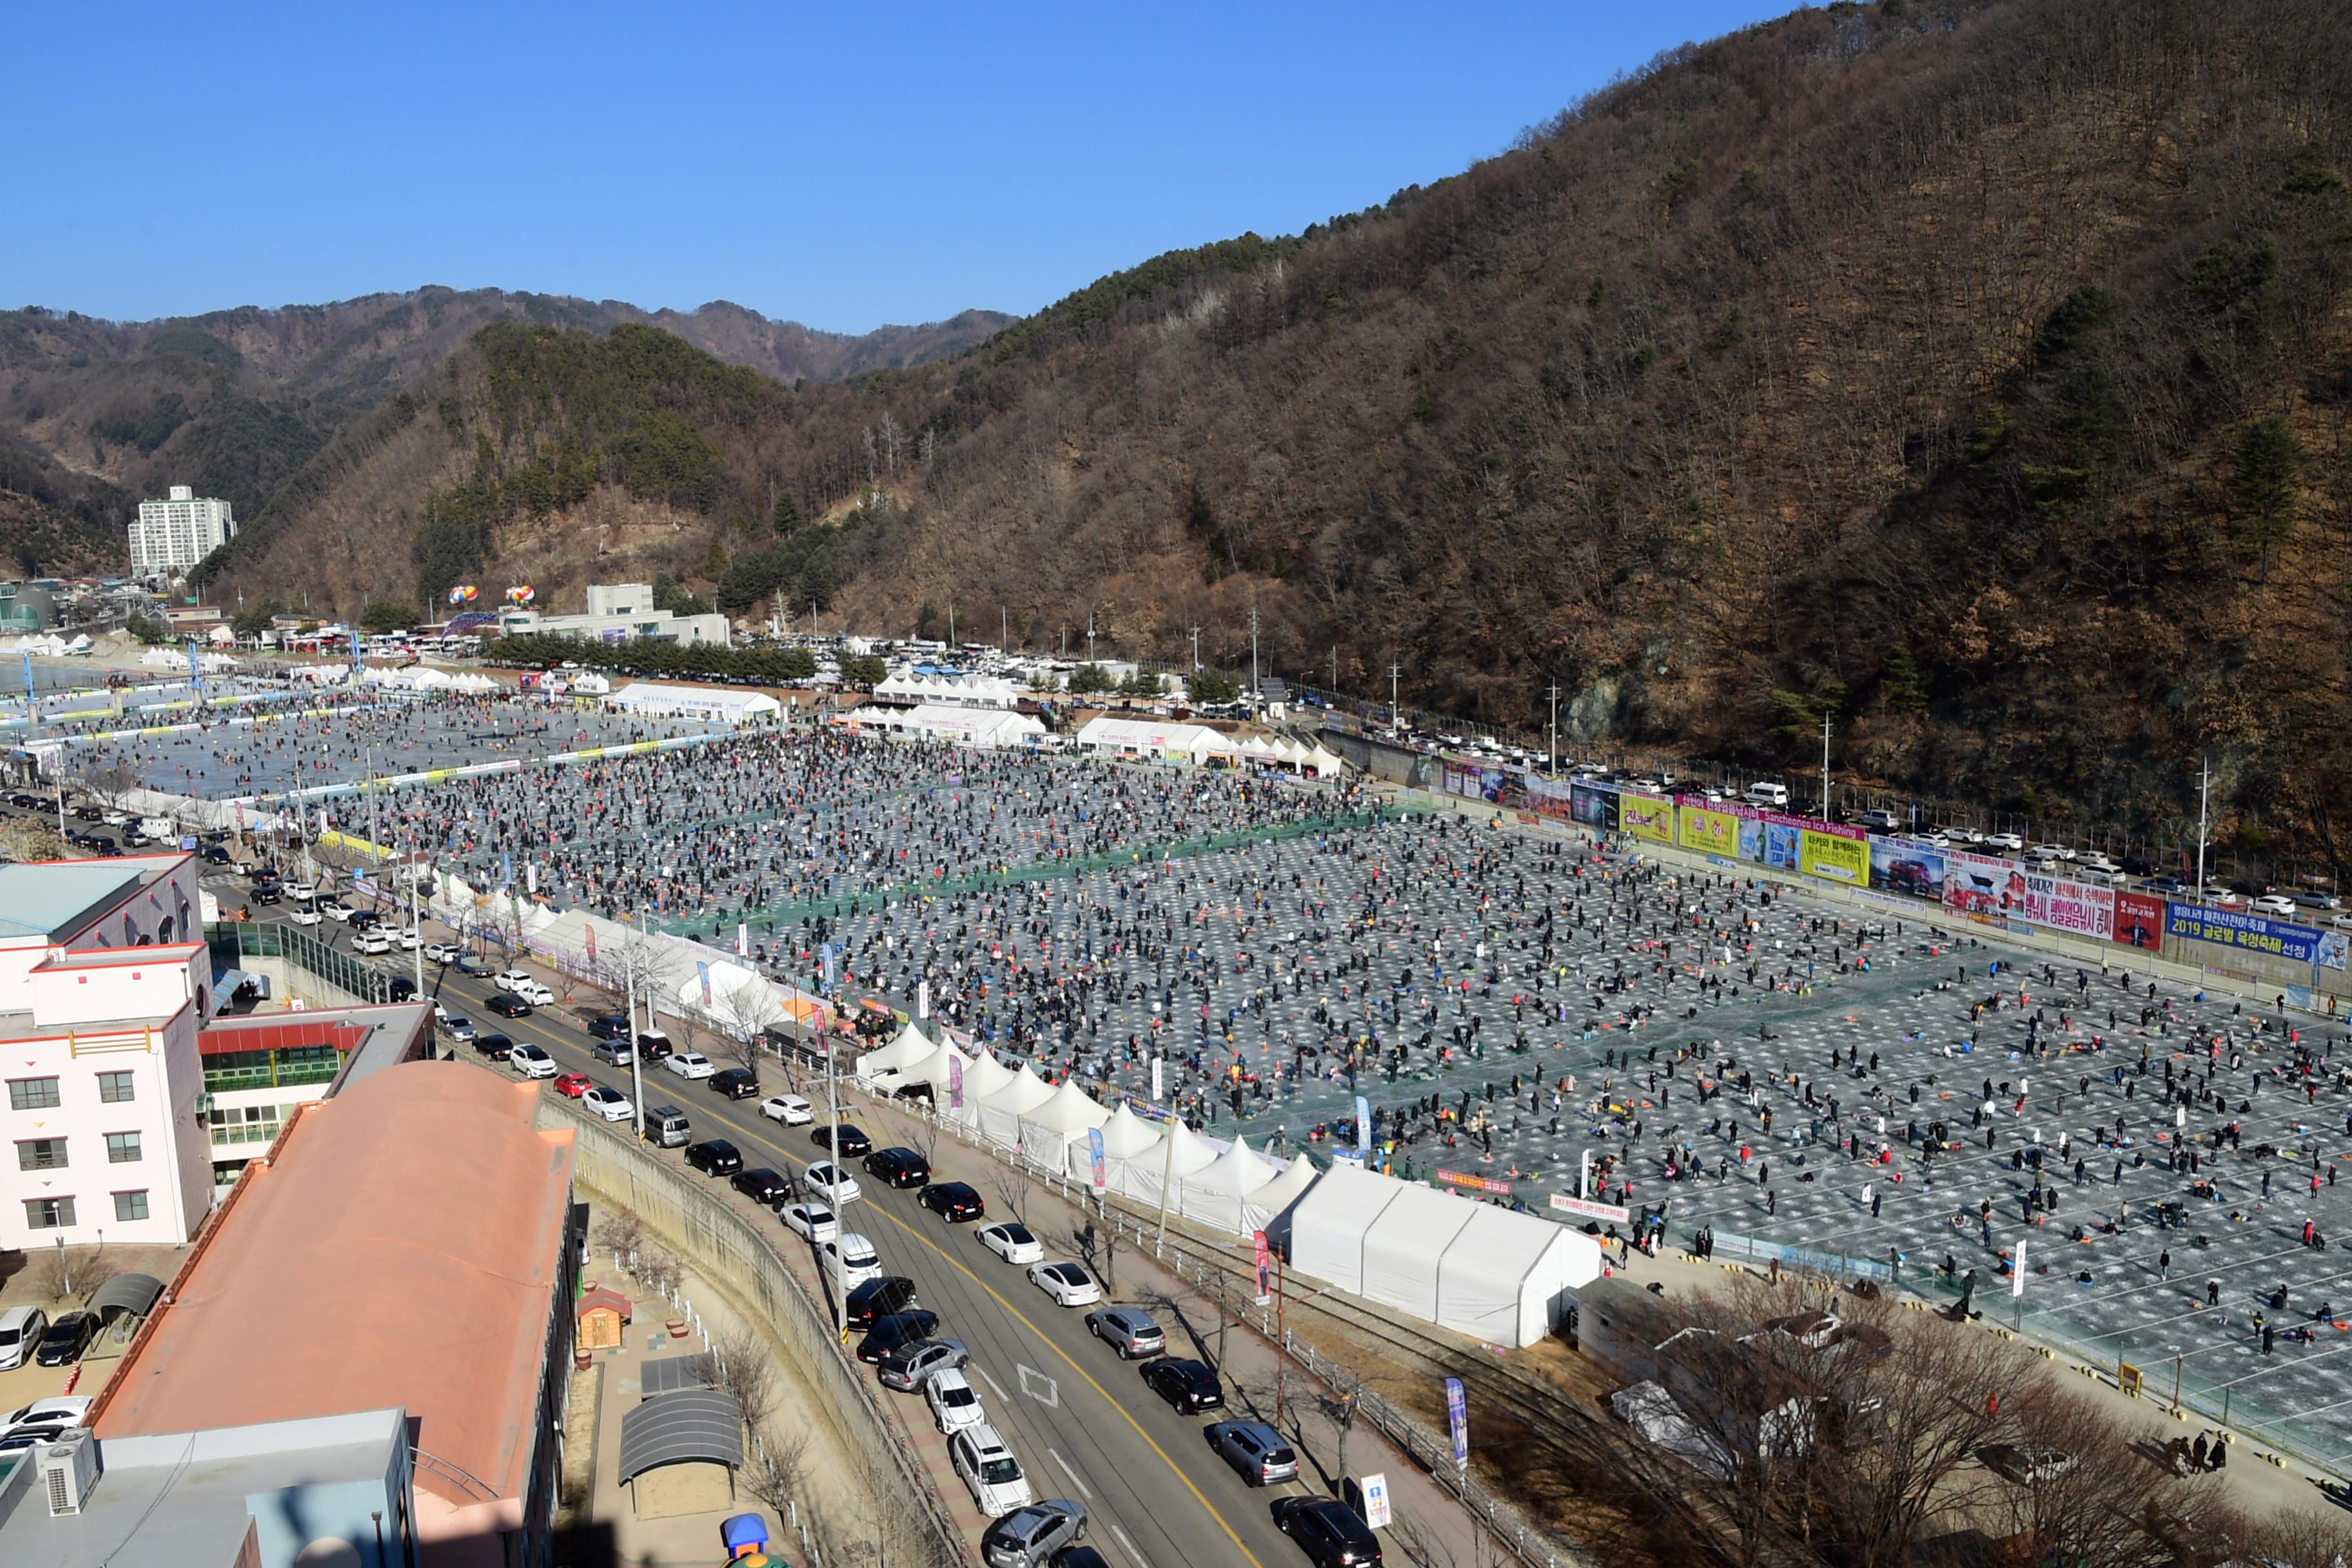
(1018, 1234)
(963, 1396)
(1000, 1472)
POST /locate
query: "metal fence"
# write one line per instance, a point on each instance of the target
(723, 1246)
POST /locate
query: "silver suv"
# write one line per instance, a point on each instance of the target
(1130, 1332)
(1030, 1537)
(1254, 1449)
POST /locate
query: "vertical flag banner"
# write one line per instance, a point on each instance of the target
(30, 704)
(1265, 1268)
(2017, 1271)
(1377, 1512)
(923, 999)
(828, 966)
(1158, 1079)
(703, 970)
(742, 938)
(1363, 1123)
(592, 945)
(1457, 1421)
(1100, 1169)
(530, 876)
(506, 868)
(955, 1083)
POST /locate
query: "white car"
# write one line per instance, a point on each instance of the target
(531, 1061)
(690, 1064)
(814, 1221)
(955, 1404)
(2274, 904)
(511, 979)
(850, 1257)
(372, 942)
(609, 1103)
(441, 952)
(2008, 842)
(305, 916)
(1010, 1241)
(789, 1108)
(536, 993)
(304, 890)
(989, 1469)
(2101, 864)
(407, 938)
(114, 819)
(336, 909)
(61, 1410)
(833, 1182)
(1068, 1283)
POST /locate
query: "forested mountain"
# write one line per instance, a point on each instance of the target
(1976, 373)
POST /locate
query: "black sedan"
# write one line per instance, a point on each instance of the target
(877, 1299)
(67, 1338)
(498, 1047)
(954, 1202)
(736, 1083)
(1332, 1534)
(506, 1005)
(763, 1185)
(853, 1141)
(899, 1167)
(716, 1157)
(1188, 1386)
(889, 1333)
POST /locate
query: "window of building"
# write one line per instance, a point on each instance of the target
(41, 1154)
(228, 1070)
(307, 1064)
(118, 1087)
(48, 1213)
(122, 1148)
(242, 1124)
(32, 1094)
(131, 1206)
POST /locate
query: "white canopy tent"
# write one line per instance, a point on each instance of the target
(1402, 1253)
(1509, 1277)
(1054, 1134)
(1125, 1135)
(1328, 1227)
(720, 704)
(1167, 742)
(1218, 1194)
(989, 729)
(982, 1075)
(905, 1048)
(1265, 1208)
(1001, 1113)
(1177, 1153)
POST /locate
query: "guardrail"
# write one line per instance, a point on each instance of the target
(723, 1244)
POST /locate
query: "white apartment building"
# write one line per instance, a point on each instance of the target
(169, 536)
(105, 981)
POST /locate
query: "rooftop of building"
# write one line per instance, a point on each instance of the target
(171, 1501)
(45, 898)
(376, 1037)
(401, 1246)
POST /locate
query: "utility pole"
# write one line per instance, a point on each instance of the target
(1825, 767)
(1396, 721)
(1196, 649)
(1555, 727)
(1334, 669)
(1253, 695)
(632, 953)
(1090, 636)
(1004, 629)
(2204, 796)
(951, 636)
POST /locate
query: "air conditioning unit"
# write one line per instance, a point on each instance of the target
(67, 1468)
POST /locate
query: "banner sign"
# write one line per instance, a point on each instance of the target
(1710, 827)
(1100, 1169)
(2081, 909)
(2253, 933)
(1265, 1268)
(1588, 1209)
(1828, 853)
(1476, 1184)
(1378, 1514)
(1363, 1123)
(1904, 866)
(955, 1102)
(2139, 921)
(1977, 886)
(1594, 806)
(1647, 816)
(1457, 1421)
(703, 970)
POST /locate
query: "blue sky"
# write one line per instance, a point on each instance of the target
(843, 166)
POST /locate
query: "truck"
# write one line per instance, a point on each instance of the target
(162, 830)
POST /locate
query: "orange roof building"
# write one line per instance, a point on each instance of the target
(410, 1242)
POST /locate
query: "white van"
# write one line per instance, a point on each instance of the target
(1775, 795)
(21, 1329)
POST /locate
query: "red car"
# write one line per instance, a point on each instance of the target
(573, 1084)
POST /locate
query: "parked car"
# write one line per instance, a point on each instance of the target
(1255, 1450)
(609, 1103)
(533, 1061)
(21, 1329)
(1033, 1536)
(653, 1046)
(905, 1368)
(876, 1298)
(1129, 1330)
(304, 915)
(608, 1027)
(987, 1468)
(572, 1085)
(853, 1140)
(511, 979)
(617, 1053)
(851, 1258)
(736, 1083)
(480, 968)
(334, 909)
(1332, 1534)
(814, 1221)
(1188, 1386)
(56, 1413)
(900, 1168)
(1010, 1241)
(763, 1185)
(459, 1029)
(1876, 821)
(441, 952)
(954, 1403)
(898, 1329)
(66, 1337)
(1068, 1283)
(2274, 904)
(952, 1201)
(714, 1157)
(691, 1065)
(834, 1182)
(789, 1108)
(494, 1047)
(506, 1005)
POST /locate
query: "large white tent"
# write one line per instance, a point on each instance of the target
(984, 1075)
(1054, 1134)
(719, 704)
(1218, 1194)
(950, 691)
(989, 729)
(1265, 1208)
(1177, 1153)
(907, 1047)
(1001, 1112)
(1488, 1272)
(1158, 739)
(1125, 1135)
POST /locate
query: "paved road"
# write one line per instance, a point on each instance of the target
(1078, 1418)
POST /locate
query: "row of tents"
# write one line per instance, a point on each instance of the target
(1501, 1276)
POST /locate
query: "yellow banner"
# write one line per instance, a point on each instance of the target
(1647, 816)
(1709, 832)
(1835, 859)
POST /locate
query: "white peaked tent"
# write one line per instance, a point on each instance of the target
(1218, 1194)
(1175, 1154)
(906, 1048)
(1054, 1134)
(1001, 1113)
(1266, 1209)
(1323, 761)
(982, 1075)
(1125, 1135)
(1498, 1276)
(937, 1069)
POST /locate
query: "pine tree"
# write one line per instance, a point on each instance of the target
(2262, 484)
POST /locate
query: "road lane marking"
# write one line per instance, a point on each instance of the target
(1052, 1397)
(1142, 1561)
(991, 1381)
(1076, 1479)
